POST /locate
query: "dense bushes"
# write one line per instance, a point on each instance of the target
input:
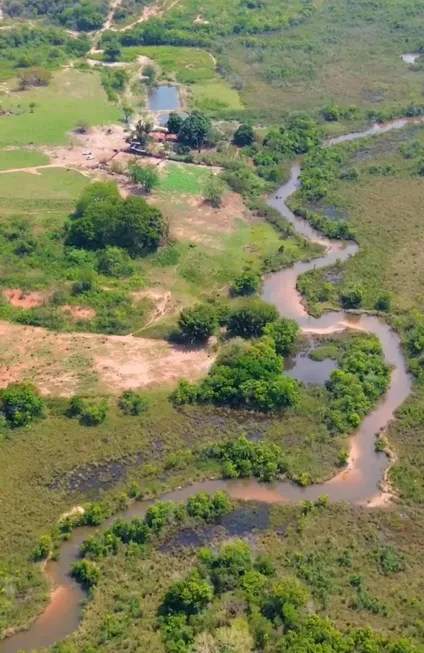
(198, 323)
(20, 403)
(133, 403)
(249, 318)
(84, 15)
(245, 376)
(103, 219)
(354, 388)
(247, 283)
(137, 532)
(242, 458)
(262, 611)
(89, 411)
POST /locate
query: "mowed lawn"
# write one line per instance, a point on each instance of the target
(71, 96)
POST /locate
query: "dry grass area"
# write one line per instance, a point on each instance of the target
(192, 219)
(62, 364)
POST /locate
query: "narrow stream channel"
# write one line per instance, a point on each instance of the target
(357, 483)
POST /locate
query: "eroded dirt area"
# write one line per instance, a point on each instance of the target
(63, 364)
(21, 299)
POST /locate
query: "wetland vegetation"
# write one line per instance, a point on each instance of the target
(137, 356)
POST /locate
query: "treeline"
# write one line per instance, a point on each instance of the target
(26, 47)
(272, 610)
(83, 15)
(242, 459)
(246, 17)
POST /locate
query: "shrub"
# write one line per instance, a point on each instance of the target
(95, 413)
(352, 296)
(246, 283)
(185, 393)
(249, 319)
(133, 403)
(44, 548)
(384, 301)
(284, 333)
(89, 413)
(197, 323)
(174, 122)
(214, 190)
(244, 135)
(209, 506)
(244, 458)
(86, 572)
(114, 262)
(21, 403)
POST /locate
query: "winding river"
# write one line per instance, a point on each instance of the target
(358, 483)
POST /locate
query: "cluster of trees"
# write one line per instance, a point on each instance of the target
(21, 403)
(195, 130)
(84, 15)
(102, 218)
(363, 378)
(137, 532)
(28, 47)
(249, 318)
(242, 458)
(320, 169)
(271, 615)
(337, 229)
(245, 376)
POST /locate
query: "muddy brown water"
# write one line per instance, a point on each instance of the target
(358, 483)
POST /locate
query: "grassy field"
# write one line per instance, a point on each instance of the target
(51, 184)
(71, 96)
(343, 52)
(214, 96)
(10, 159)
(382, 208)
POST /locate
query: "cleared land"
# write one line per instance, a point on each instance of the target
(70, 97)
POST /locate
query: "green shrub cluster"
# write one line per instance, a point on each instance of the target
(21, 403)
(363, 378)
(89, 411)
(249, 376)
(102, 218)
(84, 15)
(271, 612)
(138, 531)
(242, 458)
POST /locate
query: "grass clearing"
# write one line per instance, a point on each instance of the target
(71, 96)
(50, 185)
(213, 96)
(10, 159)
(183, 179)
(184, 65)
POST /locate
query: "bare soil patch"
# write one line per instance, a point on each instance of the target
(63, 364)
(21, 299)
(80, 312)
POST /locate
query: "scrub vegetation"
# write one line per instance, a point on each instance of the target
(183, 372)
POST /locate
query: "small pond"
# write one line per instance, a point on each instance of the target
(304, 369)
(163, 98)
